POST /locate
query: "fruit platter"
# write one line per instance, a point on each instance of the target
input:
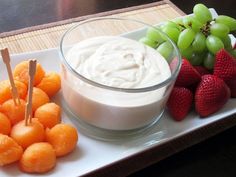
(208, 51)
(204, 93)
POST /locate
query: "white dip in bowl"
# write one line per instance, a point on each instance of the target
(109, 62)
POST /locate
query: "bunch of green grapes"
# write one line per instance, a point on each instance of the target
(198, 37)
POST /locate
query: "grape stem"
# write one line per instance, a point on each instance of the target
(182, 26)
(206, 28)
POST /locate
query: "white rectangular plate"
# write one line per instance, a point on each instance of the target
(92, 154)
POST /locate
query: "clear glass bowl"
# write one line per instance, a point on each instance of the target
(107, 112)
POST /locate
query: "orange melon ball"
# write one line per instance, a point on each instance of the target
(63, 138)
(25, 135)
(15, 113)
(39, 98)
(5, 90)
(50, 84)
(48, 114)
(10, 151)
(38, 158)
(5, 124)
(21, 73)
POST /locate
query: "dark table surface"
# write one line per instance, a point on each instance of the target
(215, 157)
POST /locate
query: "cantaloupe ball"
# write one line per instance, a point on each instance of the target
(15, 113)
(39, 98)
(63, 138)
(50, 84)
(21, 72)
(5, 124)
(26, 135)
(21, 88)
(5, 90)
(10, 151)
(38, 158)
(48, 114)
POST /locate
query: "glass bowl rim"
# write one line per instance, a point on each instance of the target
(128, 90)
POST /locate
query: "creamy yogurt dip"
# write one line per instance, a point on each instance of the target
(116, 62)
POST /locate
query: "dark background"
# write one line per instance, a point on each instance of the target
(16, 14)
(215, 157)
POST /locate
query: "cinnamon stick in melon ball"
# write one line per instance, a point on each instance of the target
(22, 69)
(14, 108)
(30, 130)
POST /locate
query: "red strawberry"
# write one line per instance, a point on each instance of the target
(180, 102)
(187, 75)
(225, 68)
(202, 70)
(211, 95)
(234, 46)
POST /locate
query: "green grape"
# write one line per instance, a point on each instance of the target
(179, 22)
(214, 44)
(202, 13)
(185, 38)
(172, 32)
(187, 21)
(219, 30)
(228, 21)
(148, 42)
(199, 42)
(187, 53)
(227, 43)
(165, 49)
(209, 61)
(171, 24)
(154, 35)
(197, 58)
(196, 24)
(192, 22)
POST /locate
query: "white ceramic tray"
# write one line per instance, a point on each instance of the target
(91, 154)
